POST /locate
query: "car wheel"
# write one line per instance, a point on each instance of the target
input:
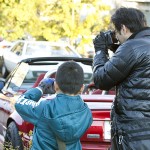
(12, 138)
(1, 61)
(4, 71)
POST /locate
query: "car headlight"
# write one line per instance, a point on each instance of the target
(107, 130)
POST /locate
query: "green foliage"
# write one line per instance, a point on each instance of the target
(53, 19)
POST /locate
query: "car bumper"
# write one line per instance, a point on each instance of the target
(95, 145)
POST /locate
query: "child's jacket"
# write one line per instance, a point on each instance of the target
(66, 117)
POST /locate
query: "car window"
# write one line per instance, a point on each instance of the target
(18, 48)
(49, 50)
(31, 76)
(62, 51)
(35, 49)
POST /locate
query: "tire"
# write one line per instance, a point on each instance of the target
(12, 138)
(1, 65)
(1, 61)
(4, 71)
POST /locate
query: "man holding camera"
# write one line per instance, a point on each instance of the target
(129, 70)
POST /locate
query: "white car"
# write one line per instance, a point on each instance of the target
(30, 49)
(4, 45)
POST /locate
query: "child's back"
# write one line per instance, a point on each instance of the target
(63, 120)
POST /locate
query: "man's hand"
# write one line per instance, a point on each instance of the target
(100, 42)
(47, 85)
(106, 40)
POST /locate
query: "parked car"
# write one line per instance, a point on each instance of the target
(18, 133)
(4, 45)
(22, 49)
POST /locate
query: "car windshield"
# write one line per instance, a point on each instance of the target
(49, 50)
(25, 76)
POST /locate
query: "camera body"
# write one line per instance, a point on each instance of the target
(110, 37)
(106, 40)
(111, 40)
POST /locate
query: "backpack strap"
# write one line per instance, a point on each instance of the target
(61, 144)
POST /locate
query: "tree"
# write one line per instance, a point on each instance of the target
(53, 19)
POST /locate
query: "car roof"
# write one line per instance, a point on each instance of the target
(46, 42)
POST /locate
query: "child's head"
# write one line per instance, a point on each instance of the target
(70, 77)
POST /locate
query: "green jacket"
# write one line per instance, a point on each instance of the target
(66, 117)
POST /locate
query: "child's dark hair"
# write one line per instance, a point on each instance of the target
(70, 77)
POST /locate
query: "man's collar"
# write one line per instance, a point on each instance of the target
(134, 34)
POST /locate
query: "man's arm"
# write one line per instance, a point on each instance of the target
(109, 73)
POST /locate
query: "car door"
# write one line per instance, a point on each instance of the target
(13, 56)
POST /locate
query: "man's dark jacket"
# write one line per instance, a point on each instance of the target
(129, 70)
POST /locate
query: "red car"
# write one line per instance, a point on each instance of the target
(16, 133)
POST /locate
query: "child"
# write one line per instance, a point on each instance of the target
(58, 123)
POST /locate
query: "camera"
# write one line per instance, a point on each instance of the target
(107, 40)
(110, 37)
(111, 40)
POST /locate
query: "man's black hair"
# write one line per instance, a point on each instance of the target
(70, 77)
(132, 18)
